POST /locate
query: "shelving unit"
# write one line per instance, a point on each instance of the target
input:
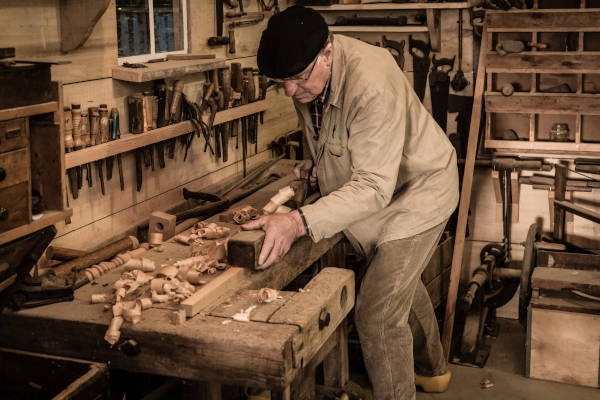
(32, 156)
(538, 74)
(130, 142)
(432, 14)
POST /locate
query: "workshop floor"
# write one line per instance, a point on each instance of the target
(505, 368)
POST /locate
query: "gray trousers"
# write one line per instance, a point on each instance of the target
(392, 310)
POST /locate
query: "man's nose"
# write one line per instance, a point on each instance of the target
(290, 88)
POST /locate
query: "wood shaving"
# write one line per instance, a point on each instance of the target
(244, 315)
(486, 383)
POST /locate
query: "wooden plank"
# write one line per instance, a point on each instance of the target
(544, 62)
(544, 21)
(566, 303)
(378, 28)
(559, 279)
(562, 259)
(47, 219)
(27, 111)
(556, 147)
(130, 142)
(317, 311)
(578, 210)
(47, 160)
(166, 69)
(541, 103)
(465, 199)
(564, 347)
(214, 290)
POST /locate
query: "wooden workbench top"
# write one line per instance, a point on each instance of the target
(203, 348)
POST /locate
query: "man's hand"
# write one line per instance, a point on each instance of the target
(281, 231)
(306, 170)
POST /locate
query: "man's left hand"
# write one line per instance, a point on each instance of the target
(281, 231)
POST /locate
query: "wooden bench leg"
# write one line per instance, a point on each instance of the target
(285, 394)
(194, 390)
(335, 364)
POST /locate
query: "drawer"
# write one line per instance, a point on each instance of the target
(13, 134)
(14, 206)
(14, 167)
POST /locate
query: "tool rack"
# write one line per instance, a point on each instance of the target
(571, 60)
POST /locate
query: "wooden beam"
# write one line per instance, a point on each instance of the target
(544, 21)
(378, 28)
(560, 183)
(548, 62)
(434, 26)
(578, 210)
(556, 147)
(465, 199)
(392, 6)
(543, 103)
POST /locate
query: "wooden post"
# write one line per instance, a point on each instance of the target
(335, 365)
(560, 182)
(465, 199)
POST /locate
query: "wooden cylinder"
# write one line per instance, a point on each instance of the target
(104, 131)
(76, 115)
(85, 129)
(176, 102)
(127, 243)
(94, 126)
(249, 75)
(68, 128)
(64, 253)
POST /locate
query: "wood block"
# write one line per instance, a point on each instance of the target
(208, 294)
(244, 248)
(161, 222)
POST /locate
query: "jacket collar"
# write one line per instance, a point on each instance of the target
(338, 73)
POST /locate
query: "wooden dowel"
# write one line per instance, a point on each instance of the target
(64, 253)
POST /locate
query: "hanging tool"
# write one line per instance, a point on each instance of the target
(420, 51)
(149, 124)
(104, 133)
(219, 101)
(396, 49)
(459, 82)
(263, 84)
(225, 81)
(244, 124)
(77, 143)
(71, 172)
(115, 134)
(439, 85)
(175, 113)
(160, 91)
(85, 141)
(95, 139)
(251, 120)
(236, 85)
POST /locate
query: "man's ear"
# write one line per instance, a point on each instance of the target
(328, 55)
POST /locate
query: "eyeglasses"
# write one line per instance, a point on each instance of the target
(296, 79)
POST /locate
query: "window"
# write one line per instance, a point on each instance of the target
(142, 38)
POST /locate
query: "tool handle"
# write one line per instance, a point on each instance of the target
(236, 77)
(232, 39)
(85, 129)
(251, 88)
(103, 123)
(68, 127)
(115, 132)
(176, 102)
(94, 126)
(225, 78)
(76, 117)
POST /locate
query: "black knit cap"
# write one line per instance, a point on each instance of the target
(292, 40)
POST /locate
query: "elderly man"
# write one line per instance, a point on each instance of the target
(388, 179)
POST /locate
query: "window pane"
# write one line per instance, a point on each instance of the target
(168, 25)
(133, 28)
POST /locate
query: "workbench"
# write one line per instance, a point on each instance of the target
(277, 349)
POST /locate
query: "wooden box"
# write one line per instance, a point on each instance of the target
(26, 375)
(563, 330)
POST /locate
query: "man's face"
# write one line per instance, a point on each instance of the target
(312, 80)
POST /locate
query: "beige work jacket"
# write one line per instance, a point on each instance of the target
(385, 169)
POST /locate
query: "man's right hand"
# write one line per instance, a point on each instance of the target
(306, 170)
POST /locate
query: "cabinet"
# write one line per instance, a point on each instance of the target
(555, 80)
(31, 153)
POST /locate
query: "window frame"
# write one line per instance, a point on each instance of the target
(141, 58)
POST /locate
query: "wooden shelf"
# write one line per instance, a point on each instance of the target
(358, 28)
(583, 20)
(393, 6)
(543, 103)
(27, 111)
(48, 218)
(537, 146)
(166, 69)
(130, 141)
(544, 62)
